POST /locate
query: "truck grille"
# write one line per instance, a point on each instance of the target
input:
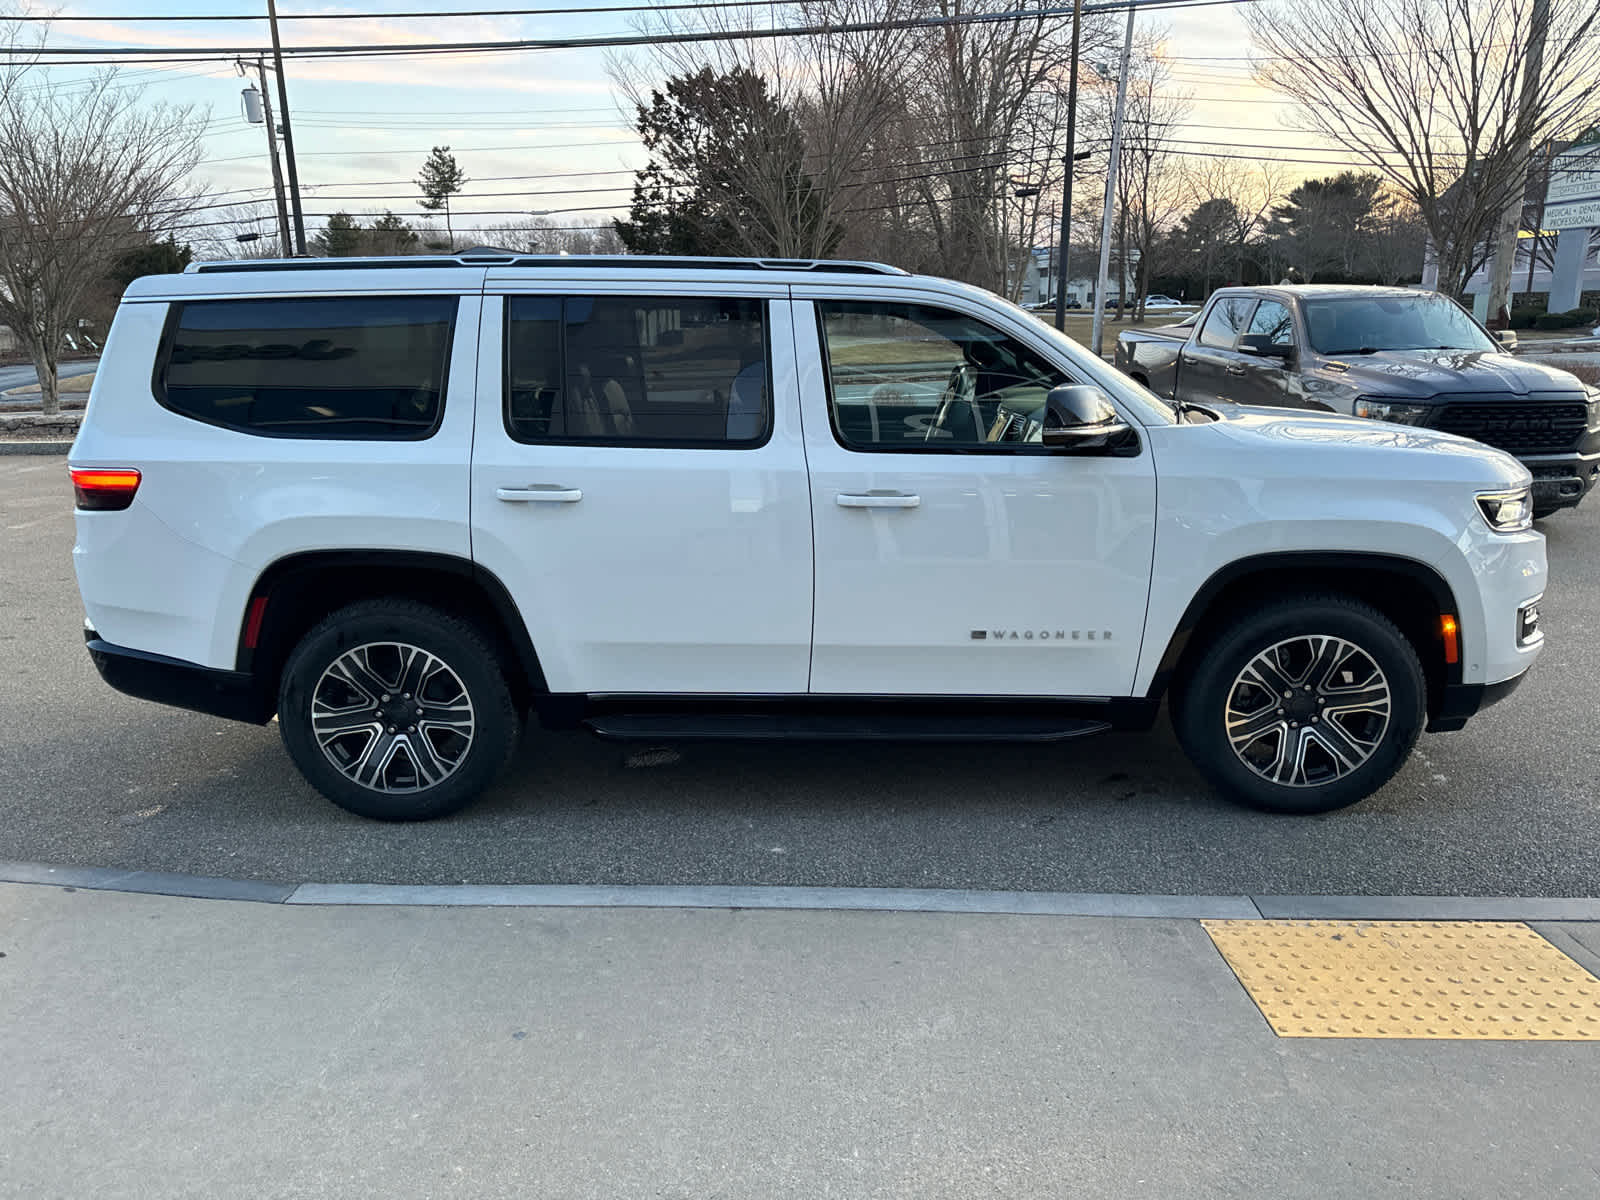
(1519, 426)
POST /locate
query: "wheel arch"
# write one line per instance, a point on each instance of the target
(1410, 593)
(295, 592)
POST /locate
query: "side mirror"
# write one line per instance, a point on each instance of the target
(1507, 338)
(1262, 345)
(1080, 418)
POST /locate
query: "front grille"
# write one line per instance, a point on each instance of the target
(1519, 426)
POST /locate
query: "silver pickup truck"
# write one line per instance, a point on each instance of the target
(1391, 354)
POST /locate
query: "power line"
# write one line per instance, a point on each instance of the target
(609, 41)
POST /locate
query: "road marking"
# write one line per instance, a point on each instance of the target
(1462, 980)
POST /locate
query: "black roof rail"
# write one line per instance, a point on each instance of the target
(628, 261)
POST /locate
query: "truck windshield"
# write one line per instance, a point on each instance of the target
(1367, 324)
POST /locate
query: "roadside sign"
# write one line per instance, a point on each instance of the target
(1573, 198)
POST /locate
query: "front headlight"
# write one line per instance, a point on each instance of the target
(1507, 512)
(1594, 408)
(1390, 410)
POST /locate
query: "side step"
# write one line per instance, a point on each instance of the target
(907, 727)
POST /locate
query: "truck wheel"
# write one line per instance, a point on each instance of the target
(396, 711)
(1303, 706)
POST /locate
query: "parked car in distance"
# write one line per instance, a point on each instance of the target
(1159, 301)
(1390, 354)
(408, 504)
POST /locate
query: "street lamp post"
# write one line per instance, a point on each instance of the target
(1071, 157)
(1098, 336)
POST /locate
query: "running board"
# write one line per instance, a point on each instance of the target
(829, 727)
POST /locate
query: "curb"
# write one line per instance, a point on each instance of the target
(813, 899)
(35, 447)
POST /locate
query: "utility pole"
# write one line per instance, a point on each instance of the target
(1111, 192)
(1066, 202)
(288, 132)
(1505, 251)
(272, 155)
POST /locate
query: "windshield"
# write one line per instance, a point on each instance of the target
(1365, 324)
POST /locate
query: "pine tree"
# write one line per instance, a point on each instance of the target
(441, 178)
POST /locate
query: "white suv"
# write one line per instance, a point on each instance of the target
(403, 504)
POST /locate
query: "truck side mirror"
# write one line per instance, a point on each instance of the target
(1262, 345)
(1080, 419)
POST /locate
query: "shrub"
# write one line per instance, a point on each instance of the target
(1523, 318)
(1552, 321)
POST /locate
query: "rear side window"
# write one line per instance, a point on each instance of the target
(362, 367)
(637, 370)
(1226, 319)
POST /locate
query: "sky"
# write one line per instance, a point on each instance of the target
(540, 132)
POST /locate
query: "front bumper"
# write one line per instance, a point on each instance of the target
(233, 695)
(1462, 701)
(1562, 480)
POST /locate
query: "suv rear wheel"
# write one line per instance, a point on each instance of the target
(395, 710)
(1304, 705)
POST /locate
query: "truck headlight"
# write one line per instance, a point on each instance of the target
(1594, 409)
(1390, 410)
(1507, 512)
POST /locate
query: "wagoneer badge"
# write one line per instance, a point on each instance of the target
(1041, 635)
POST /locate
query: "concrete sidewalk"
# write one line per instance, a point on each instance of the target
(166, 1047)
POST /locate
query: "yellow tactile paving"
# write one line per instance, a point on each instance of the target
(1410, 979)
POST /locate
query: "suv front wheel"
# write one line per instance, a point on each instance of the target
(395, 710)
(1304, 705)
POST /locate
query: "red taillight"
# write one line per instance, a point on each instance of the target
(102, 489)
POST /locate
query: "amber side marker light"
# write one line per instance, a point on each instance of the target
(101, 489)
(1452, 644)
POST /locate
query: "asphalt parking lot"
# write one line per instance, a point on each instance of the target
(1510, 806)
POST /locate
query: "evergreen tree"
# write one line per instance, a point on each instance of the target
(441, 178)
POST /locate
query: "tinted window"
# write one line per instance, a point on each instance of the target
(1273, 319)
(637, 370)
(1224, 322)
(910, 377)
(335, 367)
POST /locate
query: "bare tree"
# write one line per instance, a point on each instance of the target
(803, 114)
(1429, 94)
(1248, 192)
(89, 173)
(237, 231)
(541, 235)
(1150, 187)
(916, 140)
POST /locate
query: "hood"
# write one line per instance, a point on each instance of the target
(1419, 374)
(1355, 445)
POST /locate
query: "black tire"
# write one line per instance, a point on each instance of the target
(466, 723)
(1260, 773)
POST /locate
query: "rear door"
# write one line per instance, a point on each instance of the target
(1210, 367)
(639, 483)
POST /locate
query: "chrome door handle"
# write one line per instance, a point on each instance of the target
(540, 493)
(877, 500)
(1235, 368)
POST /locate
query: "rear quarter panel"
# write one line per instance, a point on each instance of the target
(173, 573)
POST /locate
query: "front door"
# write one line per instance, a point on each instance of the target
(956, 555)
(639, 484)
(1210, 368)
(1268, 378)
